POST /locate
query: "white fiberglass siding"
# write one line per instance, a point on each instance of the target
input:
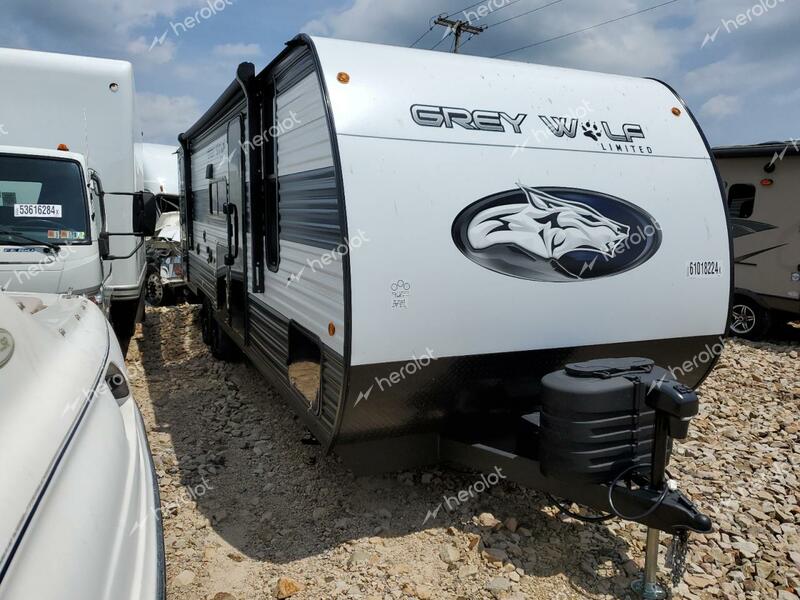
(308, 286)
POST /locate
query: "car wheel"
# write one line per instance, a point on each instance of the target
(154, 289)
(749, 320)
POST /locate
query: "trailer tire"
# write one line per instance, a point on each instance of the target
(219, 342)
(749, 320)
(222, 346)
(205, 323)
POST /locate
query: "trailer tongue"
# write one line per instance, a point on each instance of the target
(602, 439)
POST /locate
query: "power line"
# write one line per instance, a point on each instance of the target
(463, 10)
(419, 39)
(523, 14)
(518, 16)
(458, 28)
(492, 6)
(559, 37)
(439, 43)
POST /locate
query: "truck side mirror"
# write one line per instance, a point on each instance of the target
(144, 214)
(104, 244)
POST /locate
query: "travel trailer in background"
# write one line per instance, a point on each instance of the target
(762, 183)
(165, 277)
(159, 168)
(434, 261)
(84, 105)
(80, 502)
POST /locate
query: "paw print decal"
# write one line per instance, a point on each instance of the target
(591, 130)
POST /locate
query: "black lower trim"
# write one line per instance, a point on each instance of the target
(268, 351)
(478, 393)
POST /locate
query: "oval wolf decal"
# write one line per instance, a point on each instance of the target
(556, 234)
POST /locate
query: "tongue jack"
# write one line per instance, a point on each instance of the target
(675, 405)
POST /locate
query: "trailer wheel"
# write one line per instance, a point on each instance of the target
(749, 320)
(221, 345)
(205, 323)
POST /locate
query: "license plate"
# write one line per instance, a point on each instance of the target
(37, 210)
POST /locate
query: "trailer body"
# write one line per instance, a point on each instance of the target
(762, 183)
(438, 232)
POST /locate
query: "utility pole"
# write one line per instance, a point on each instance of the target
(458, 27)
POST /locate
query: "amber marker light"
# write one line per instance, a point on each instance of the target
(63, 148)
(676, 111)
(343, 77)
(331, 329)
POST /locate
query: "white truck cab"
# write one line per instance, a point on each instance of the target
(50, 224)
(87, 104)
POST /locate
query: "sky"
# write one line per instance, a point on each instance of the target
(735, 62)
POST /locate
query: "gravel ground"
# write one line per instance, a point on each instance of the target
(252, 510)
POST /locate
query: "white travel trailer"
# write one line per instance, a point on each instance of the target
(79, 503)
(762, 183)
(86, 105)
(165, 277)
(414, 248)
(159, 167)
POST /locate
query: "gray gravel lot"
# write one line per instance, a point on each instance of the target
(252, 512)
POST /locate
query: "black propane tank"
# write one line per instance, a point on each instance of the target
(595, 421)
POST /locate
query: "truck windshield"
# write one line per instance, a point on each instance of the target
(43, 199)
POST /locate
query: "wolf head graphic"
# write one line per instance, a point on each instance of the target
(547, 227)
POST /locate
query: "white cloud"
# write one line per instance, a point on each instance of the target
(722, 106)
(162, 117)
(237, 50)
(789, 98)
(157, 51)
(735, 73)
(633, 47)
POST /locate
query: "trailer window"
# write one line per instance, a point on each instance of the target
(43, 199)
(741, 200)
